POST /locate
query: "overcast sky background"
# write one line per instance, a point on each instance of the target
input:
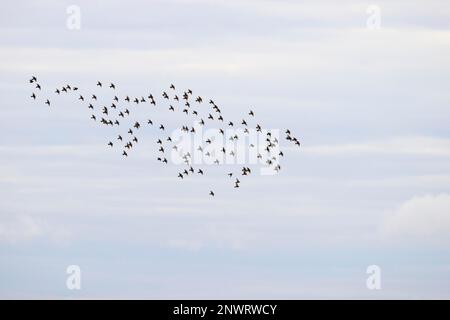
(370, 186)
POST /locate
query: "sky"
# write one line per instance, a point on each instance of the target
(364, 85)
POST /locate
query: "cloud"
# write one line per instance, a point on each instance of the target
(22, 228)
(422, 146)
(421, 216)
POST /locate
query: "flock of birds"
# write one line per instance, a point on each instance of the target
(114, 113)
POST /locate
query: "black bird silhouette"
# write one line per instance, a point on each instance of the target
(211, 193)
(271, 142)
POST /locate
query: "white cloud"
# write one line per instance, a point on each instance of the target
(422, 216)
(20, 228)
(425, 146)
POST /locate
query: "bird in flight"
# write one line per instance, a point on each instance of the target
(131, 123)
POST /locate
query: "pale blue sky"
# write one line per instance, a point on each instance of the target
(371, 184)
